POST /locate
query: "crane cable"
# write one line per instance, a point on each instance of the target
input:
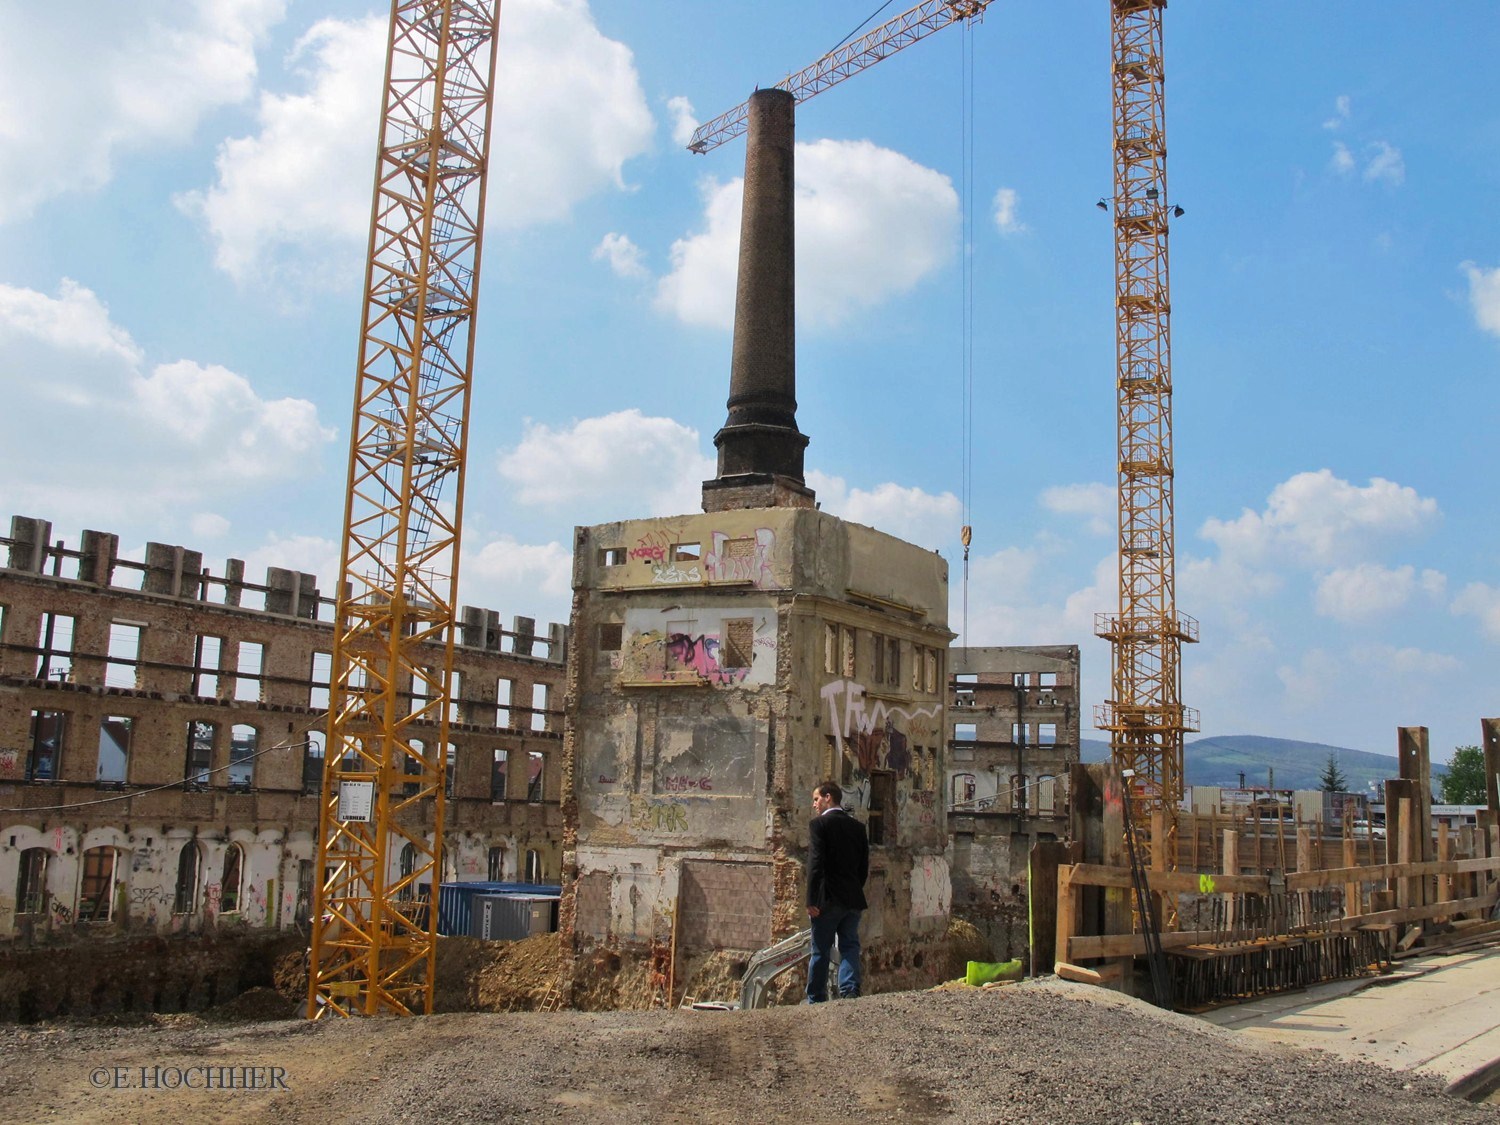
(966, 97)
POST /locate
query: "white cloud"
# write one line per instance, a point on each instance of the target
(1368, 590)
(684, 121)
(1385, 163)
(1408, 665)
(871, 224)
(292, 202)
(1340, 113)
(209, 525)
(79, 90)
(1095, 503)
(532, 579)
(618, 463)
(907, 513)
(1316, 518)
(624, 257)
(310, 554)
(1484, 296)
(1005, 204)
(1481, 601)
(145, 438)
(1343, 159)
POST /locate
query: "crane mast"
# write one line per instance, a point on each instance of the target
(845, 62)
(1144, 715)
(381, 816)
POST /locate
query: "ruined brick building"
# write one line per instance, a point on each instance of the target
(1014, 732)
(728, 661)
(162, 733)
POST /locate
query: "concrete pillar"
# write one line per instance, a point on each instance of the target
(29, 540)
(173, 571)
(525, 635)
(760, 447)
(480, 628)
(100, 552)
(291, 592)
(557, 642)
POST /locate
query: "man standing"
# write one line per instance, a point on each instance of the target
(838, 862)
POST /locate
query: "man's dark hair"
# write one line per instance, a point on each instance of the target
(831, 789)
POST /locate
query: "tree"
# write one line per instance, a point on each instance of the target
(1463, 784)
(1332, 778)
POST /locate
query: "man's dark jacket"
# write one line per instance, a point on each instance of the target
(838, 862)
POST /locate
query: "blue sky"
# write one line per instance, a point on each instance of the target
(184, 196)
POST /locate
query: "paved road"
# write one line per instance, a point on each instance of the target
(1438, 1015)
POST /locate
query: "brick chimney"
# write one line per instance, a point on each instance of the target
(760, 447)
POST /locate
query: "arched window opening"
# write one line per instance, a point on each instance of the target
(229, 881)
(200, 753)
(188, 860)
(31, 882)
(96, 894)
(408, 866)
(963, 788)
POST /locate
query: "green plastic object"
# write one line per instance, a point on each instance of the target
(982, 972)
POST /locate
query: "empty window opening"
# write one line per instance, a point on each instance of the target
(965, 732)
(534, 869)
(302, 909)
(536, 769)
(114, 749)
(1020, 735)
(44, 754)
(917, 655)
(244, 742)
(963, 788)
(319, 681)
(313, 759)
(1046, 795)
(123, 669)
(878, 644)
(738, 649)
(421, 690)
(411, 766)
(206, 652)
(830, 648)
(848, 652)
(456, 698)
(96, 892)
(1018, 792)
(932, 671)
(969, 678)
(687, 552)
(540, 720)
(503, 689)
(248, 686)
(497, 865)
(200, 753)
(31, 882)
(612, 556)
(500, 764)
(1046, 734)
(450, 769)
(882, 822)
(189, 860)
(55, 660)
(1046, 679)
(611, 636)
(1021, 679)
(408, 868)
(229, 880)
(893, 662)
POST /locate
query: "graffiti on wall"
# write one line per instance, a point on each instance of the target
(670, 574)
(742, 559)
(868, 731)
(700, 654)
(661, 816)
(8, 759)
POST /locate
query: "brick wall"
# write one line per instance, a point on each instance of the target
(724, 906)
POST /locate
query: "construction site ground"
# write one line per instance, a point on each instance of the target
(1040, 1051)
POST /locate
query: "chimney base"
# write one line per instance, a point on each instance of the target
(755, 490)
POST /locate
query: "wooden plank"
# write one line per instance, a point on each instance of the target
(1067, 910)
(1041, 896)
(1352, 904)
(1132, 945)
(1418, 913)
(1307, 880)
(1078, 973)
(1186, 882)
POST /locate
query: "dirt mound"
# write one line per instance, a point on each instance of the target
(256, 1004)
(520, 975)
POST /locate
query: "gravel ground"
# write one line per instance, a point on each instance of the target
(1044, 1051)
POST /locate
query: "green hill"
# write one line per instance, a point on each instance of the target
(1296, 765)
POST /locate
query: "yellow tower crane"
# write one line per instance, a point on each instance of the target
(381, 819)
(1144, 714)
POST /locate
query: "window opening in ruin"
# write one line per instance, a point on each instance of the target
(534, 870)
(55, 659)
(229, 881)
(846, 639)
(500, 764)
(965, 732)
(1046, 734)
(738, 649)
(536, 763)
(963, 698)
(31, 882)
(319, 679)
(114, 749)
(882, 820)
(44, 757)
(450, 769)
(830, 757)
(893, 662)
(123, 668)
(1046, 794)
(503, 689)
(877, 642)
(200, 754)
(687, 552)
(917, 653)
(407, 865)
(1018, 733)
(411, 766)
(1018, 792)
(611, 556)
(456, 698)
(1021, 679)
(206, 652)
(244, 741)
(302, 910)
(932, 672)
(185, 901)
(313, 761)
(830, 648)
(963, 787)
(96, 892)
(611, 636)
(248, 687)
(1046, 679)
(497, 865)
(421, 690)
(540, 720)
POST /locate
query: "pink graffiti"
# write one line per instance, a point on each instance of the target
(679, 783)
(655, 554)
(701, 655)
(742, 559)
(8, 760)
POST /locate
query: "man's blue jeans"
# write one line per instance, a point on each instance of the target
(834, 922)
